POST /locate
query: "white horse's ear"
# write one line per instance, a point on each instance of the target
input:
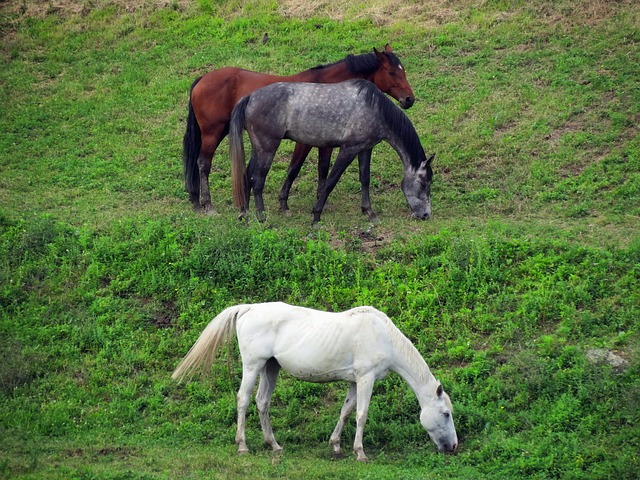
(440, 390)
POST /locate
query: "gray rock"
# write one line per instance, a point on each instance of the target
(599, 356)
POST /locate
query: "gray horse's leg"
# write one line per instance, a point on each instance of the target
(263, 151)
(300, 153)
(324, 162)
(347, 408)
(344, 159)
(268, 379)
(364, 162)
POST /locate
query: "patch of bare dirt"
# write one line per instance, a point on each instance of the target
(368, 240)
(166, 315)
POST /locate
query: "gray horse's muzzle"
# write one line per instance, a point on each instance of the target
(421, 216)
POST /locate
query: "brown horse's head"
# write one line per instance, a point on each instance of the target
(390, 77)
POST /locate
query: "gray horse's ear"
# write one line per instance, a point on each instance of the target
(425, 165)
(440, 390)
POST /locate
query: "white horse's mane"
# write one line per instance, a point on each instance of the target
(403, 345)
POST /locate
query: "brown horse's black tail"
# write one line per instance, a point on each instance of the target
(191, 144)
(236, 149)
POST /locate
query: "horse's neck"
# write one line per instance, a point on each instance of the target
(337, 72)
(399, 145)
(411, 366)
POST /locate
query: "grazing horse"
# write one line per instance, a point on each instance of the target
(214, 95)
(358, 346)
(353, 115)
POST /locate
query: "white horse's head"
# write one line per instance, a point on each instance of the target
(437, 419)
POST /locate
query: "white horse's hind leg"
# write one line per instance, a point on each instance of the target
(347, 408)
(249, 377)
(268, 379)
(365, 389)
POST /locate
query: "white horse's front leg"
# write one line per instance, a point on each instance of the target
(365, 388)
(249, 377)
(347, 408)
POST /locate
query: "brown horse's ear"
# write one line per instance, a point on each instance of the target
(380, 55)
(387, 48)
(440, 390)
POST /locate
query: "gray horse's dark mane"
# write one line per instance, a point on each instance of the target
(395, 119)
(362, 64)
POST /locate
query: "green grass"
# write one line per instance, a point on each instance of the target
(531, 259)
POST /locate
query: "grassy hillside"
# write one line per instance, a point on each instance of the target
(529, 265)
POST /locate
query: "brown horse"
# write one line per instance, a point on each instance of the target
(214, 95)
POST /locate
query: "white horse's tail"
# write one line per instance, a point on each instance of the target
(202, 354)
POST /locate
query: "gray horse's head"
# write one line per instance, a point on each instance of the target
(437, 419)
(416, 186)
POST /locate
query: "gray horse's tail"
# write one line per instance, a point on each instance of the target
(202, 354)
(236, 149)
(191, 144)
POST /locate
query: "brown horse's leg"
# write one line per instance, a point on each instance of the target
(300, 153)
(210, 142)
(204, 200)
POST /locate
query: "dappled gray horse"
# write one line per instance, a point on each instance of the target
(353, 115)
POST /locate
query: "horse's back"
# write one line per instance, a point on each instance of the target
(314, 345)
(218, 91)
(319, 115)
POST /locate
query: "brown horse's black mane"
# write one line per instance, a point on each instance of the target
(396, 120)
(362, 64)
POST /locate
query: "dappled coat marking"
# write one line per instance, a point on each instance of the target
(214, 95)
(352, 115)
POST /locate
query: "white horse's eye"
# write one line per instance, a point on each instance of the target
(447, 414)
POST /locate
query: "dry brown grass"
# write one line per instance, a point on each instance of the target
(381, 12)
(427, 13)
(67, 8)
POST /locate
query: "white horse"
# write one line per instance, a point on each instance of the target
(358, 346)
